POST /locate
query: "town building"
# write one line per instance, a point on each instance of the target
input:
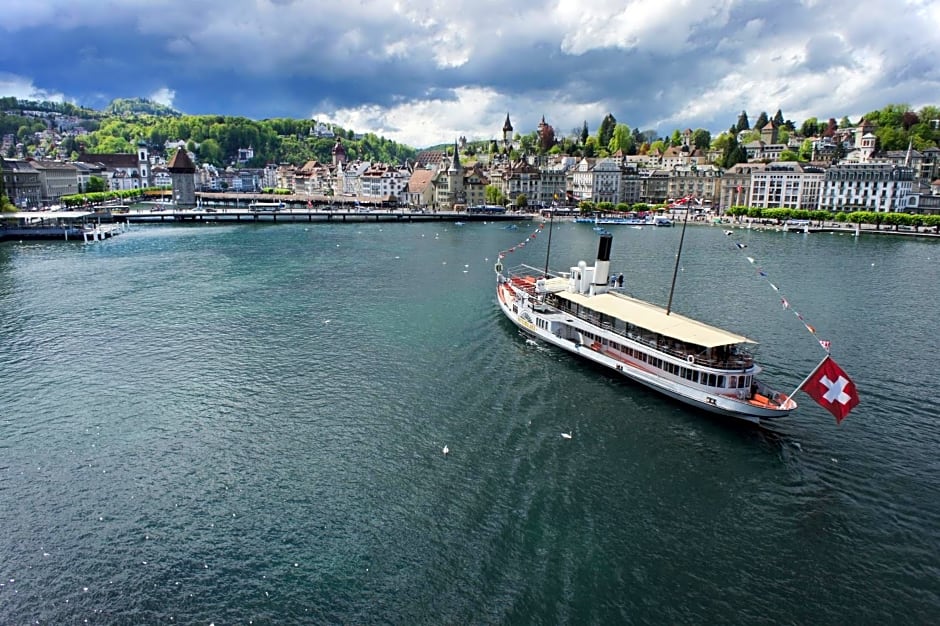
(735, 189)
(56, 179)
(786, 185)
(880, 187)
(21, 183)
(700, 182)
(122, 171)
(420, 192)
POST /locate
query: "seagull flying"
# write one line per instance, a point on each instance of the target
(566, 435)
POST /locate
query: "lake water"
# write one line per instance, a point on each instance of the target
(239, 424)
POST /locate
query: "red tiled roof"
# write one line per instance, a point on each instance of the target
(110, 161)
(419, 181)
(181, 163)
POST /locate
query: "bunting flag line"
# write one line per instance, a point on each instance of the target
(503, 253)
(826, 345)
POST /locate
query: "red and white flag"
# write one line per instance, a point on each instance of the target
(832, 388)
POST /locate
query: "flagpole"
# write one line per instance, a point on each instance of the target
(811, 374)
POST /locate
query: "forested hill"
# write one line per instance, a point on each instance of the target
(139, 106)
(214, 139)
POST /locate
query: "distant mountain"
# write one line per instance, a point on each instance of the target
(139, 106)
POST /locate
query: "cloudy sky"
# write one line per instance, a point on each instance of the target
(424, 72)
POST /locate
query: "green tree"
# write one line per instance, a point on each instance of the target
(114, 145)
(701, 138)
(806, 150)
(778, 118)
(95, 184)
(789, 155)
(622, 139)
(733, 153)
(742, 122)
(675, 139)
(584, 133)
(762, 121)
(809, 127)
(5, 205)
(521, 201)
(210, 152)
(493, 195)
(606, 130)
(590, 147)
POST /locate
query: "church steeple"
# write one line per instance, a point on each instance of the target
(455, 162)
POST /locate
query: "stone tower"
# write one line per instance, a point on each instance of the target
(339, 153)
(143, 164)
(507, 133)
(455, 180)
(183, 177)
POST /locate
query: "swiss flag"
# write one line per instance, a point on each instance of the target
(832, 388)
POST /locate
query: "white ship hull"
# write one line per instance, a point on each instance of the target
(665, 371)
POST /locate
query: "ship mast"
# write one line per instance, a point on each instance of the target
(548, 248)
(675, 271)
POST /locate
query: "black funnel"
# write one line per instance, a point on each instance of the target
(603, 247)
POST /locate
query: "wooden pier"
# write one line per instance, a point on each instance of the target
(85, 226)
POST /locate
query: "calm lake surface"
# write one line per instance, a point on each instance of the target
(237, 424)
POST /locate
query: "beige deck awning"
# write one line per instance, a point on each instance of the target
(654, 319)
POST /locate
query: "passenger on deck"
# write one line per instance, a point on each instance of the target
(620, 280)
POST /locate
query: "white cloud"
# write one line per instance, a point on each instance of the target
(476, 113)
(426, 71)
(644, 24)
(24, 89)
(163, 96)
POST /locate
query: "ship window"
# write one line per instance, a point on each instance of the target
(732, 382)
(711, 380)
(721, 381)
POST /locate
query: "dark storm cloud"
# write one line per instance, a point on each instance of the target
(423, 68)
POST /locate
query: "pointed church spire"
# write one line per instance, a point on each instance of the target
(455, 162)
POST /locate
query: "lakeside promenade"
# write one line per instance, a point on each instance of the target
(287, 214)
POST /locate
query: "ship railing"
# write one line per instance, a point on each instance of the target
(736, 362)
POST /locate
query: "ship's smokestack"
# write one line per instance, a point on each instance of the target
(602, 265)
(603, 247)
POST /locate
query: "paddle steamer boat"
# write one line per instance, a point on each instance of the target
(693, 362)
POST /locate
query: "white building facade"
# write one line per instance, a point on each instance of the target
(879, 187)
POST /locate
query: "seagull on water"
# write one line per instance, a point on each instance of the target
(566, 435)
(446, 450)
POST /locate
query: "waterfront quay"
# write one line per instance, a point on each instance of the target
(85, 226)
(249, 214)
